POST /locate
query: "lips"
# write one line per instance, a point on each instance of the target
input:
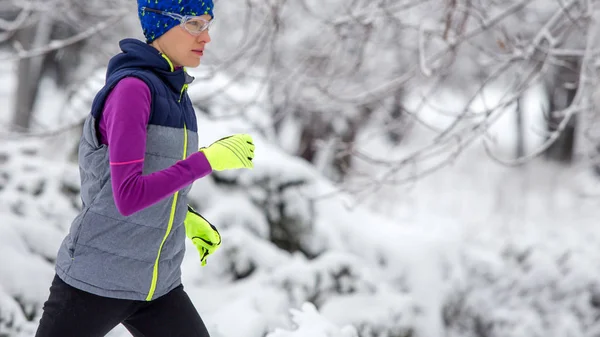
(198, 52)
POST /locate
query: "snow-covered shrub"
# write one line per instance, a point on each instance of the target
(309, 323)
(34, 183)
(37, 203)
(385, 313)
(13, 320)
(328, 276)
(243, 254)
(542, 285)
(290, 216)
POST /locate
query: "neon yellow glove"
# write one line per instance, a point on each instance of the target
(203, 234)
(233, 152)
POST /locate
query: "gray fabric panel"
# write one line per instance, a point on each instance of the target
(169, 274)
(161, 140)
(119, 294)
(156, 215)
(164, 141)
(160, 144)
(64, 257)
(93, 162)
(103, 273)
(192, 143)
(112, 272)
(175, 243)
(74, 230)
(122, 238)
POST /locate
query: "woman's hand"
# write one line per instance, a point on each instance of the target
(232, 152)
(203, 234)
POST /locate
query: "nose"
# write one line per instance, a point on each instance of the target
(204, 36)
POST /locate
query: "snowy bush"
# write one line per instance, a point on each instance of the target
(243, 255)
(386, 313)
(526, 286)
(330, 275)
(309, 323)
(37, 202)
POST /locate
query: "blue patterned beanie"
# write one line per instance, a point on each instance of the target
(154, 25)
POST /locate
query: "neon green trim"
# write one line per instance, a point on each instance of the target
(168, 60)
(183, 89)
(185, 141)
(169, 226)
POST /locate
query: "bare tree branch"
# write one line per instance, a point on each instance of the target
(59, 44)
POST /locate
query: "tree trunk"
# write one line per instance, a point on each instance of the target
(397, 119)
(520, 124)
(29, 71)
(587, 136)
(562, 89)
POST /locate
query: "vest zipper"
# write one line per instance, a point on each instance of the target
(173, 204)
(169, 225)
(183, 89)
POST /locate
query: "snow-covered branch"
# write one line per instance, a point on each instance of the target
(21, 53)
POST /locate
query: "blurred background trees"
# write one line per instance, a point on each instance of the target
(327, 71)
(55, 40)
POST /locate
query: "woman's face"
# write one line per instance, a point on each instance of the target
(181, 47)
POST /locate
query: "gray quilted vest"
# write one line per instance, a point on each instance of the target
(136, 257)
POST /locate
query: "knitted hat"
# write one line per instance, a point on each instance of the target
(154, 25)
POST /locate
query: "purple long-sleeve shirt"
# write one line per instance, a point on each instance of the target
(123, 128)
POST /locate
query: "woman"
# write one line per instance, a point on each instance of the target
(138, 157)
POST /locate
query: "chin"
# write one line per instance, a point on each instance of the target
(192, 64)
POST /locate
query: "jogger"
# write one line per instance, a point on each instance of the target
(70, 312)
(138, 157)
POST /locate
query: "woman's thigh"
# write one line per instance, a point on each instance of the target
(172, 315)
(73, 312)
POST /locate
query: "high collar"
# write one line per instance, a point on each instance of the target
(140, 55)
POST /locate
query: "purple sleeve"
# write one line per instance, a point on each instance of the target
(123, 128)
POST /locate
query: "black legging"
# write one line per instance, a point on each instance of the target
(70, 312)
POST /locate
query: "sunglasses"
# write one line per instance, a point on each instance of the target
(195, 25)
